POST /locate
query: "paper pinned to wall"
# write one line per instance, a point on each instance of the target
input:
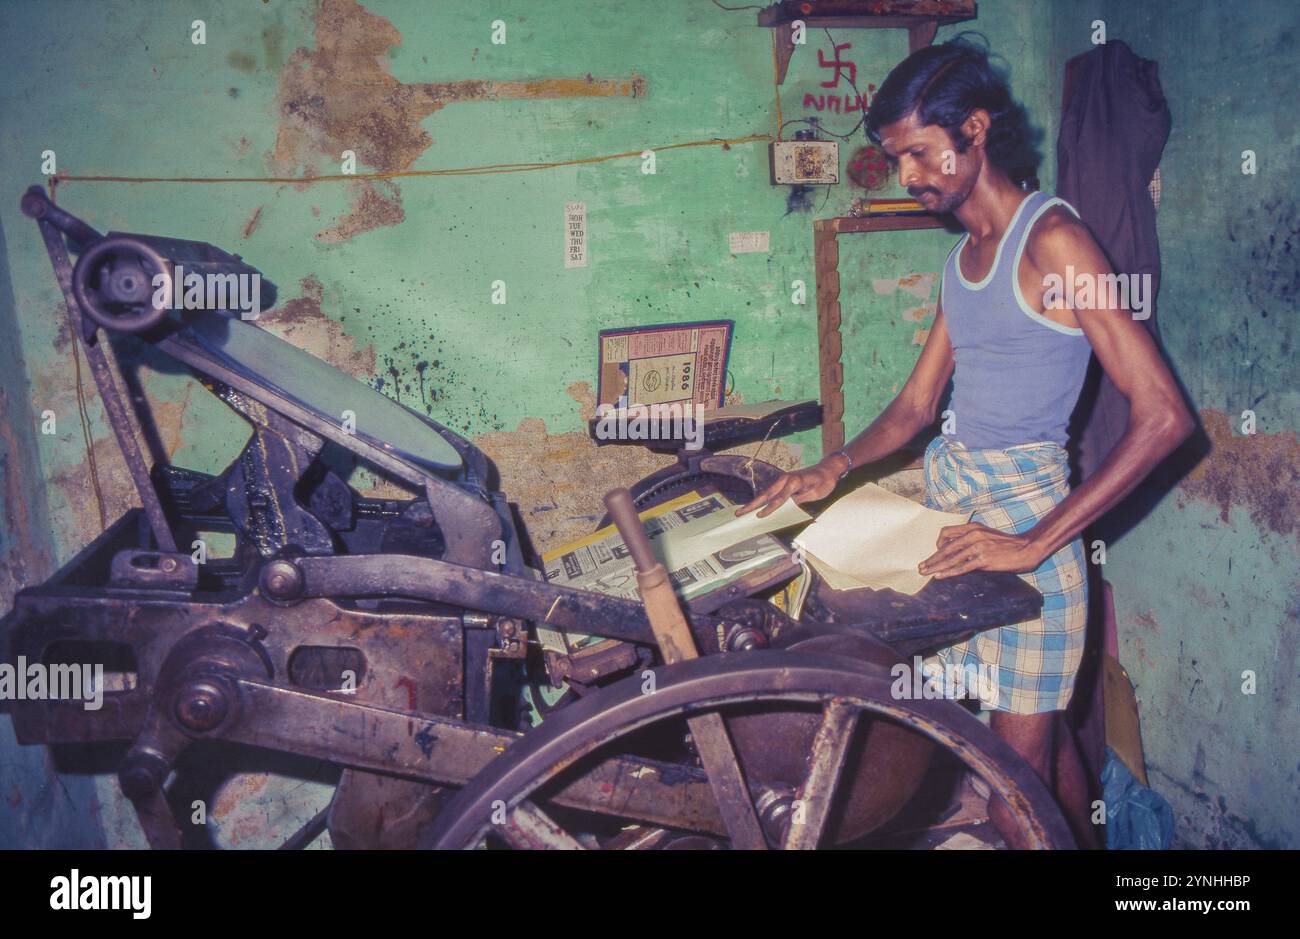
(874, 538)
(749, 242)
(575, 234)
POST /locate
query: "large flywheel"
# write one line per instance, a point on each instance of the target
(507, 803)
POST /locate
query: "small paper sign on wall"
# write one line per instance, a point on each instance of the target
(575, 234)
(663, 364)
(749, 242)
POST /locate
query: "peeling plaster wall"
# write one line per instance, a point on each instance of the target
(1207, 585)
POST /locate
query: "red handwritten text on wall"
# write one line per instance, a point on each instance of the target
(841, 68)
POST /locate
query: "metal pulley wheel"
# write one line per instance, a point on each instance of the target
(116, 279)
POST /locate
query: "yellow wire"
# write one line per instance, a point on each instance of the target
(396, 174)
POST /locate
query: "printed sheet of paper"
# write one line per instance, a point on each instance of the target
(749, 242)
(874, 538)
(720, 530)
(698, 538)
(575, 234)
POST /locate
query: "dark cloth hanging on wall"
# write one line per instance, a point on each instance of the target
(1114, 125)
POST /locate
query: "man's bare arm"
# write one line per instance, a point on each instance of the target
(915, 406)
(1158, 422)
(911, 410)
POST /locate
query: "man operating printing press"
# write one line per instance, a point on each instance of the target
(949, 123)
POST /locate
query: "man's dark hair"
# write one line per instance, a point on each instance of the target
(942, 85)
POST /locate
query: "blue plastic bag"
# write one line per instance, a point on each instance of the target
(1137, 818)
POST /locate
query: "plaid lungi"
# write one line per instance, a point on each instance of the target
(1036, 661)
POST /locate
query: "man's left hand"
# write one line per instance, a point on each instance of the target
(976, 547)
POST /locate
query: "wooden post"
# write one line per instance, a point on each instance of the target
(826, 257)
(826, 252)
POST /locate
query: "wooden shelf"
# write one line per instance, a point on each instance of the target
(921, 19)
(847, 224)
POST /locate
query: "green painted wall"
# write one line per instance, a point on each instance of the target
(1206, 587)
(384, 300)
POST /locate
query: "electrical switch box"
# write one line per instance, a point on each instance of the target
(805, 162)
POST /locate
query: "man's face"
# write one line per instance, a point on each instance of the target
(929, 166)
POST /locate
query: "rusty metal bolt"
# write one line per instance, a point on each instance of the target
(775, 813)
(282, 580)
(746, 639)
(142, 775)
(201, 705)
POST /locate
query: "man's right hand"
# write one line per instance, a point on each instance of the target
(805, 485)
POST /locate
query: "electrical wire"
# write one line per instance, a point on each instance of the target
(816, 122)
(821, 128)
(85, 433)
(401, 174)
(861, 101)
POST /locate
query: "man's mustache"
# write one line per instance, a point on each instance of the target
(916, 193)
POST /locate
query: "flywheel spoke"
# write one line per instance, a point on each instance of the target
(728, 781)
(529, 828)
(158, 822)
(816, 794)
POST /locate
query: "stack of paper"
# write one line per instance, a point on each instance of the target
(874, 538)
(697, 537)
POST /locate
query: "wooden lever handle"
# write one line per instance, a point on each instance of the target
(676, 643)
(662, 609)
(623, 512)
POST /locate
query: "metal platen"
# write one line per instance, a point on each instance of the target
(321, 388)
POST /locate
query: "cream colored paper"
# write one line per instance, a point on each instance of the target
(836, 580)
(699, 539)
(874, 538)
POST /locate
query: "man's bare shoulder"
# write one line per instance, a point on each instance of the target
(1059, 237)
